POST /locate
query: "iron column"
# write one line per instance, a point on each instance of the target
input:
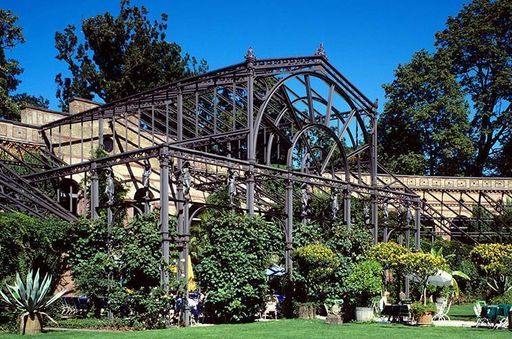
(164, 216)
(289, 224)
(251, 149)
(373, 166)
(95, 194)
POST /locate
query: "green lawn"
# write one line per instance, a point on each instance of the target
(292, 329)
(462, 312)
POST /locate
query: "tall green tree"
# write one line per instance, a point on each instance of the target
(479, 43)
(424, 127)
(119, 56)
(10, 36)
(25, 99)
(503, 160)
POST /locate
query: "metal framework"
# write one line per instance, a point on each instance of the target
(297, 122)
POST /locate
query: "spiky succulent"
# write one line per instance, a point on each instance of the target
(33, 296)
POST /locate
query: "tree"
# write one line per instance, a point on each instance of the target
(32, 243)
(120, 56)
(118, 266)
(10, 36)
(503, 160)
(424, 126)
(478, 42)
(24, 99)
(236, 253)
(494, 261)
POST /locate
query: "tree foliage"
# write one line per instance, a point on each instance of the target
(388, 254)
(478, 42)
(119, 56)
(494, 261)
(232, 271)
(32, 243)
(10, 36)
(424, 126)
(365, 281)
(24, 100)
(316, 265)
(113, 268)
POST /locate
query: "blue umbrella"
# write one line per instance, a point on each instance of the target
(275, 270)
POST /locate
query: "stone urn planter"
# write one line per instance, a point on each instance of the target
(31, 324)
(307, 311)
(364, 314)
(334, 319)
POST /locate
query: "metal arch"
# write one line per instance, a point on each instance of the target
(280, 83)
(331, 133)
(281, 114)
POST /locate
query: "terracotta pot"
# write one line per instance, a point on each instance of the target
(424, 320)
(31, 324)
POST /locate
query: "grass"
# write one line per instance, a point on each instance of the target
(290, 329)
(462, 312)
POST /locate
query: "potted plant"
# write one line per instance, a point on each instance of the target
(316, 265)
(31, 298)
(365, 284)
(422, 312)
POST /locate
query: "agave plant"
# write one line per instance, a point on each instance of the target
(31, 298)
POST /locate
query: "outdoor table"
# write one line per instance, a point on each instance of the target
(493, 312)
(396, 312)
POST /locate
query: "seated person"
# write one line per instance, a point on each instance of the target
(384, 301)
(402, 297)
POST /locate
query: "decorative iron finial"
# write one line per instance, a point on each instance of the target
(320, 51)
(250, 57)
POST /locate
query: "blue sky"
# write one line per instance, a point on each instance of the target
(365, 40)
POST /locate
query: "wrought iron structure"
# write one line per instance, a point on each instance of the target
(297, 122)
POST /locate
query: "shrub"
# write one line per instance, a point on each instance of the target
(421, 265)
(28, 242)
(419, 309)
(389, 254)
(505, 298)
(148, 308)
(365, 282)
(354, 243)
(237, 251)
(106, 268)
(316, 265)
(31, 298)
(494, 261)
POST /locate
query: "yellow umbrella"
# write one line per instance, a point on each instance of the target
(192, 286)
(191, 281)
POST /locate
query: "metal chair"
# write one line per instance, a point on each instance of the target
(270, 308)
(502, 320)
(442, 310)
(477, 308)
